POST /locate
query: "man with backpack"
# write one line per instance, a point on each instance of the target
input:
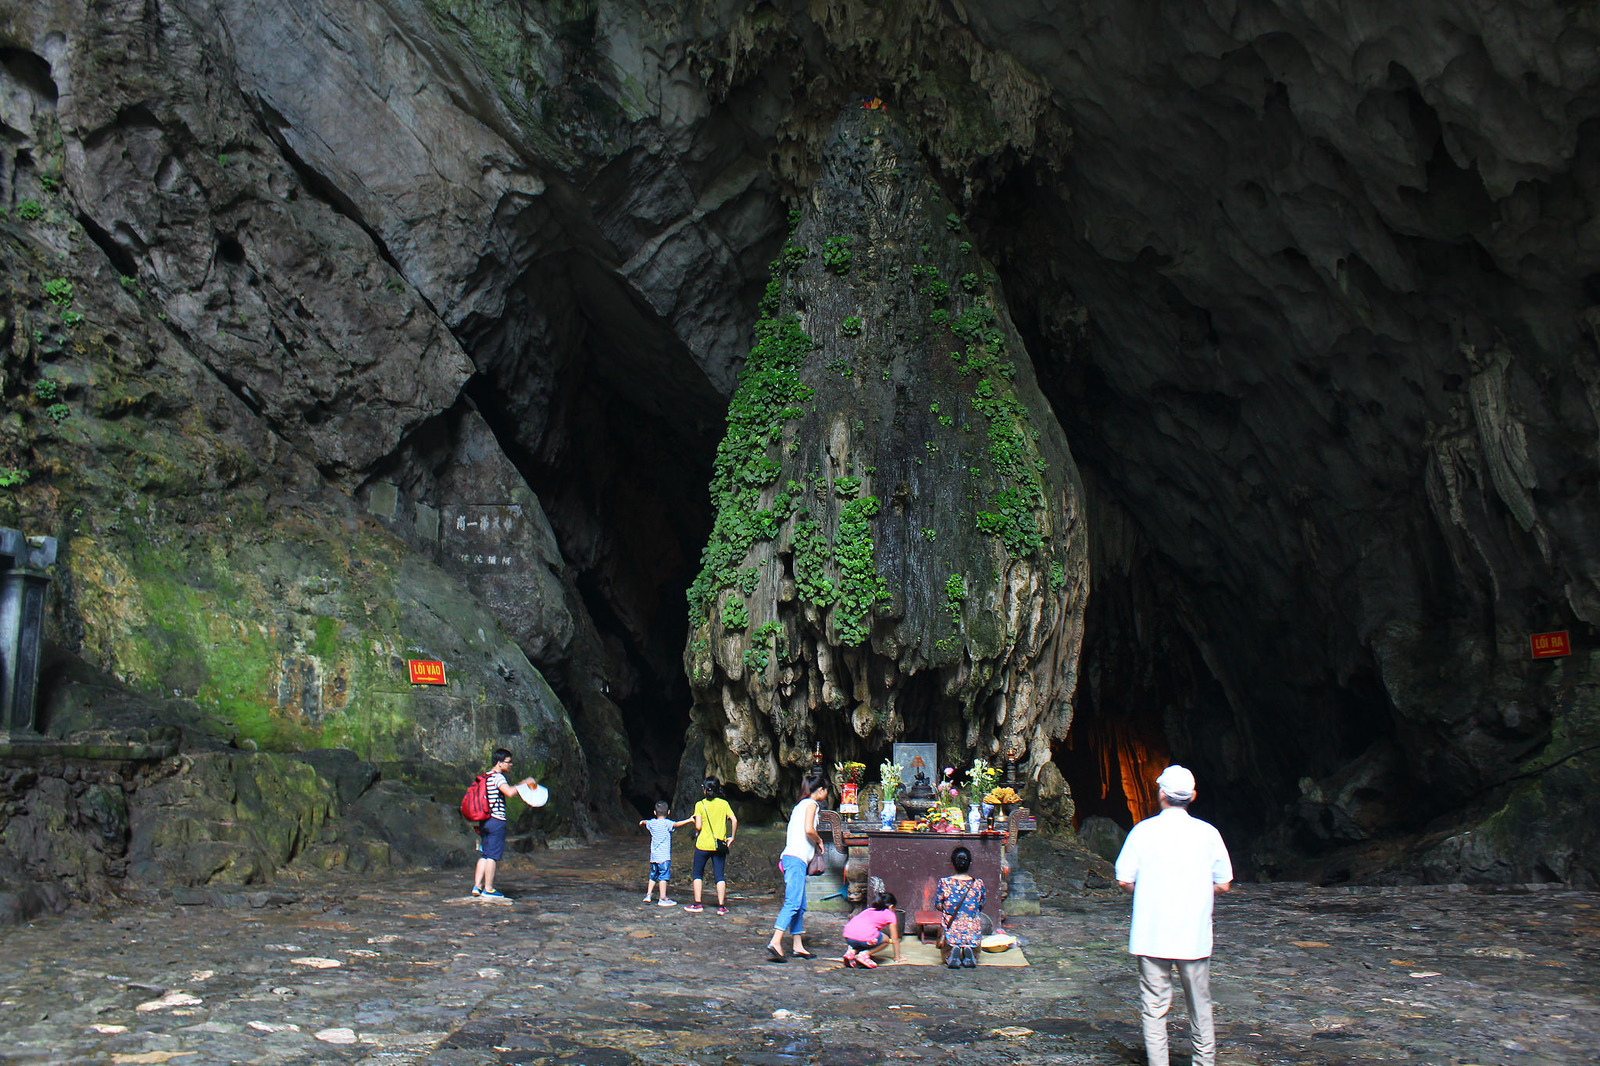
(487, 797)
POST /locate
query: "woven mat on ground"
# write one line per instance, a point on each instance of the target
(915, 953)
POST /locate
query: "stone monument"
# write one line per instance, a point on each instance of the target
(24, 576)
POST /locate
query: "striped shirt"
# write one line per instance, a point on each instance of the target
(497, 799)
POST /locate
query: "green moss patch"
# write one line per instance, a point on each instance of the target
(768, 397)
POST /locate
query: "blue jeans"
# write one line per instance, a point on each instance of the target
(792, 918)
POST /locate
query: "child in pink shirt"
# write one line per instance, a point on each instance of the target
(863, 934)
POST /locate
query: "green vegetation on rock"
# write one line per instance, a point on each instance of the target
(861, 587)
(59, 292)
(768, 396)
(735, 615)
(811, 563)
(955, 594)
(325, 641)
(1012, 511)
(836, 254)
(757, 656)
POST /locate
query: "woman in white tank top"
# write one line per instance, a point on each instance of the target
(800, 843)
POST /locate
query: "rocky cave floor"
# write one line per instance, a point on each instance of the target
(400, 969)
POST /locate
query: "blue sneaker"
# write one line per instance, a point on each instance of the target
(490, 893)
(476, 891)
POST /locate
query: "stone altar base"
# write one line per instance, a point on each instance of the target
(825, 894)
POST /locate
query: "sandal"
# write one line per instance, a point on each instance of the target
(801, 953)
(849, 959)
(866, 962)
(774, 955)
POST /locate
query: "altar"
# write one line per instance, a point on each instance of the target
(911, 864)
(871, 848)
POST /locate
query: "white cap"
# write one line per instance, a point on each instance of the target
(1176, 783)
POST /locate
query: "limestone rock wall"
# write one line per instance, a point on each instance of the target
(899, 546)
(205, 352)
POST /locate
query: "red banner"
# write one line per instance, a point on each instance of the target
(426, 671)
(1550, 645)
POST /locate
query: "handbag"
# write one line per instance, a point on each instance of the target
(816, 864)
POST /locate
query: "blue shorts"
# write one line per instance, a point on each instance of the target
(864, 945)
(661, 871)
(494, 838)
(719, 864)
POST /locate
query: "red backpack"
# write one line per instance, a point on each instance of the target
(475, 804)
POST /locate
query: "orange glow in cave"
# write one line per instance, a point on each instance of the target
(1128, 759)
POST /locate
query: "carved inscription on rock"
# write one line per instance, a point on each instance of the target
(485, 537)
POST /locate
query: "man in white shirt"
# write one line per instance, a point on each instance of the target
(1174, 865)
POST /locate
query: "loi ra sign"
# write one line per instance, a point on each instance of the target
(426, 671)
(1550, 645)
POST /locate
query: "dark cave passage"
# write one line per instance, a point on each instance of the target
(621, 464)
(1190, 654)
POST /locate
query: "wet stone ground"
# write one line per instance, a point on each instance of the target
(577, 970)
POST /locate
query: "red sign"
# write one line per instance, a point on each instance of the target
(426, 671)
(1550, 645)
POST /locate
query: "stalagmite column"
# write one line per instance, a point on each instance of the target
(898, 551)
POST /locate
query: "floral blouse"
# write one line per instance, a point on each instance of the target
(960, 900)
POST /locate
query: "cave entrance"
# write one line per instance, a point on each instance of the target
(614, 426)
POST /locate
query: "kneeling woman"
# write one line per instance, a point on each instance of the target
(863, 934)
(960, 902)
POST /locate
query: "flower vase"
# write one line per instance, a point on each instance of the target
(888, 814)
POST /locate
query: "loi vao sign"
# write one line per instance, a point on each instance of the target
(426, 671)
(1550, 645)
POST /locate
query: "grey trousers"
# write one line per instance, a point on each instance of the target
(1155, 998)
